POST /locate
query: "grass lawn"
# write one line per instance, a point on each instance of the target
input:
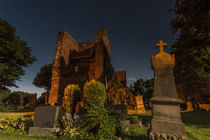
(197, 128)
(197, 125)
(19, 137)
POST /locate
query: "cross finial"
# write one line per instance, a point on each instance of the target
(161, 44)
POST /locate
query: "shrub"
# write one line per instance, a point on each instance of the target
(96, 120)
(134, 119)
(68, 128)
(71, 96)
(94, 95)
(115, 92)
(12, 125)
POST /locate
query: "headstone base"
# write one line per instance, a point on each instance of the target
(42, 131)
(166, 122)
(167, 127)
(164, 136)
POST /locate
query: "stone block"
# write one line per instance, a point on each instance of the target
(46, 116)
(45, 120)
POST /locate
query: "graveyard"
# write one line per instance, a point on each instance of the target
(129, 80)
(91, 110)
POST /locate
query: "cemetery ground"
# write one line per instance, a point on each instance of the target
(197, 125)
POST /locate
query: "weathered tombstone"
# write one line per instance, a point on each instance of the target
(45, 119)
(189, 106)
(139, 105)
(166, 121)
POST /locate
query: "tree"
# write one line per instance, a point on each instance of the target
(13, 99)
(14, 54)
(43, 78)
(192, 47)
(139, 87)
(113, 94)
(149, 88)
(130, 98)
(145, 88)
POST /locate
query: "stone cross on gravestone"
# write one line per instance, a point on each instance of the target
(161, 45)
(166, 121)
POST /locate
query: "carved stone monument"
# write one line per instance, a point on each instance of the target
(45, 119)
(140, 105)
(166, 121)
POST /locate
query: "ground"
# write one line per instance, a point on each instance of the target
(197, 128)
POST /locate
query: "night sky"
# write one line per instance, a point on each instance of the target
(133, 26)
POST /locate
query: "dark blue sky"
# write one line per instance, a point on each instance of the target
(133, 26)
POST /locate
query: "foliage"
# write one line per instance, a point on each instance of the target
(42, 100)
(113, 86)
(43, 78)
(145, 88)
(119, 112)
(139, 87)
(26, 137)
(12, 125)
(94, 94)
(192, 49)
(13, 99)
(112, 90)
(14, 54)
(130, 98)
(118, 94)
(149, 88)
(134, 119)
(16, 99)
(30, 99)
(72, 95)
(96, 119)
(68, 128)
(136, 133)
(3, 95)
(197, 126)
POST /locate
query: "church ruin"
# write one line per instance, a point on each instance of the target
(76, 63)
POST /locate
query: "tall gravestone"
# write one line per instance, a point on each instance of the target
(166, 121)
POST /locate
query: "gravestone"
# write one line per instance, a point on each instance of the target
(205, 106)
(139, 104)
(45, 119)
(189, 106)
(166, 121)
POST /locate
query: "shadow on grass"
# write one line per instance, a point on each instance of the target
(196, 118)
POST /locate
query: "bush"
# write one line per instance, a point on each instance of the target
(12, 125)
(96, 120)
(68, 128)
(71, 96)
(134, 119)
(94, 94)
